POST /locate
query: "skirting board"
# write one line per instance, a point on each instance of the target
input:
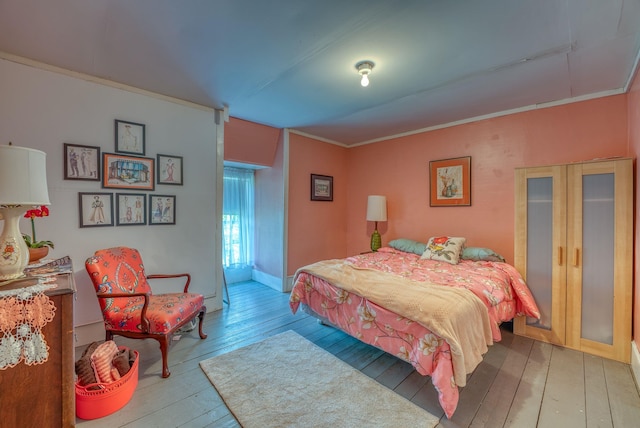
(268, 280)
(635, 363)
(94, 332)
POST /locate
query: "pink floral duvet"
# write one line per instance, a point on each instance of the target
(498, 285)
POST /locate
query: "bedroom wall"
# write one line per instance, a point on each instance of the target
(633, 103)
(398, 168)
(317, 229)
(43, 109)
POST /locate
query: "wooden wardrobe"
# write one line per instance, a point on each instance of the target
(574, 247)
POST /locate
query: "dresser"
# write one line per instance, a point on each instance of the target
(43, 395)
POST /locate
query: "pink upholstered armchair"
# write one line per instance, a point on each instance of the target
(130, 309)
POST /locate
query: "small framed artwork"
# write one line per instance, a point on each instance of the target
(169, 169)
(162, 209)
(131, 209)
(127, 172)
(321, 187)
(130, 137)
(81, 162)
(96, 209)
(450, 182)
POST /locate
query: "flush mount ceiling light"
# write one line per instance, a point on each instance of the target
(364, 68)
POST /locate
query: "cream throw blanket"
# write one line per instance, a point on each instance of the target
(454, 314)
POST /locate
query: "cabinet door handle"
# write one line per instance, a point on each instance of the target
(559, 256)
(576, 257)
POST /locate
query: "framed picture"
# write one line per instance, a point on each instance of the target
(127, 172)
(131, 209)
(162, 209)
(96, 209)
(450, 182)
(169, 169)
(81, 162)
(321, 187)
(130, 137)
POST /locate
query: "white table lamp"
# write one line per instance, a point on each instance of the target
(376, 211)
(23, 185)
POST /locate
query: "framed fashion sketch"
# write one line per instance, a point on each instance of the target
(162, 209)
(169, 169)
(131, 209)
(81, 162)
(96, 209)
(130, 137)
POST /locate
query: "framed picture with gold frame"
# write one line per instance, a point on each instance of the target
(450, 182)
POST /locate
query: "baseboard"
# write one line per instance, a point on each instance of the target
(635, 363)
(268, 280)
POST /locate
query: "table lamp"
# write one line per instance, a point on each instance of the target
(23, 185)
(376, 211)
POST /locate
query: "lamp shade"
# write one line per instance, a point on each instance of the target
(23, 176)
(377, 208)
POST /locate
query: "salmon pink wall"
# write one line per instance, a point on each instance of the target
(398, 168)
(249, 142)
(316, 229)
(633, 99)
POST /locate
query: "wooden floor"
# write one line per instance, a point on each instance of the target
(521, 383)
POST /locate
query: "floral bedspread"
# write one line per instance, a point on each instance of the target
(498, 285)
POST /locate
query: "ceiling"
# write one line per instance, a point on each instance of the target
(291, 63)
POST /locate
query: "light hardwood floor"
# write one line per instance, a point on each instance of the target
(520, 383)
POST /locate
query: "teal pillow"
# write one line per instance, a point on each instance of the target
(481, 254)
(408, 246)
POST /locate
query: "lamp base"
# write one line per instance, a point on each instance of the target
(14, 254)
(376, 241)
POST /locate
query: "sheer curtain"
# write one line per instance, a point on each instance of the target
(238, 223)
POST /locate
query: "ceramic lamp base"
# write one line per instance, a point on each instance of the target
(13, 250)
(376, 240)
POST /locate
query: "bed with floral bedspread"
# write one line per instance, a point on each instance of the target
(425, 312)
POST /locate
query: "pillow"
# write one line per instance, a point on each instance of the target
(408, 246)
(444, 248)
(481, 254)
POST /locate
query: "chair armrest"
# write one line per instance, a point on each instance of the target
(176, 275)
(144, 321)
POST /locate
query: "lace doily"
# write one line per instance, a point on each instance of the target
(23, 314)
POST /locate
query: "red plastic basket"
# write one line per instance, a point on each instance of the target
(111, 397)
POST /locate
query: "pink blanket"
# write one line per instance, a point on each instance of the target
(498, 285)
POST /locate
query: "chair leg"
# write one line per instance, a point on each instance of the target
(201, 317)
(164, 349)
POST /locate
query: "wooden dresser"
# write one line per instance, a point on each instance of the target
(43, 395)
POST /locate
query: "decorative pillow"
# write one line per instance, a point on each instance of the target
(408, 246)
(444, 248)
(481, 254)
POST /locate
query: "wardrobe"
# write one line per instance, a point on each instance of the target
(574, 248)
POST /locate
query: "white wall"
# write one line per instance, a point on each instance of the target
(44, 109)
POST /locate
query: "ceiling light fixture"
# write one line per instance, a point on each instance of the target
(364, 68)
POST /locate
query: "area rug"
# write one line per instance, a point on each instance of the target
(287, 381)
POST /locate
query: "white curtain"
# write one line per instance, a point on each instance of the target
(238, 219)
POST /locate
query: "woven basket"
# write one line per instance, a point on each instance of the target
(111, 397)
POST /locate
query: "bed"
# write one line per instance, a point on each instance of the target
(437, 309)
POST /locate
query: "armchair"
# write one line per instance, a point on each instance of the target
(130, 309)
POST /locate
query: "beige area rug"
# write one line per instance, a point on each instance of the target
(287, 381)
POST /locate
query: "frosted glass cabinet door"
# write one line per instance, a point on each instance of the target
(539, 248)
(599, 265)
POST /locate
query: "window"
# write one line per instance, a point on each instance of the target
(238, 219)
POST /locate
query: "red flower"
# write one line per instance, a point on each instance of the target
(441, 240)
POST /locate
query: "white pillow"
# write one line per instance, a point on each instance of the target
(444, 248)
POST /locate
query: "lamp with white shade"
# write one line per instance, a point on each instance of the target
(23, 185)
(376, 211)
